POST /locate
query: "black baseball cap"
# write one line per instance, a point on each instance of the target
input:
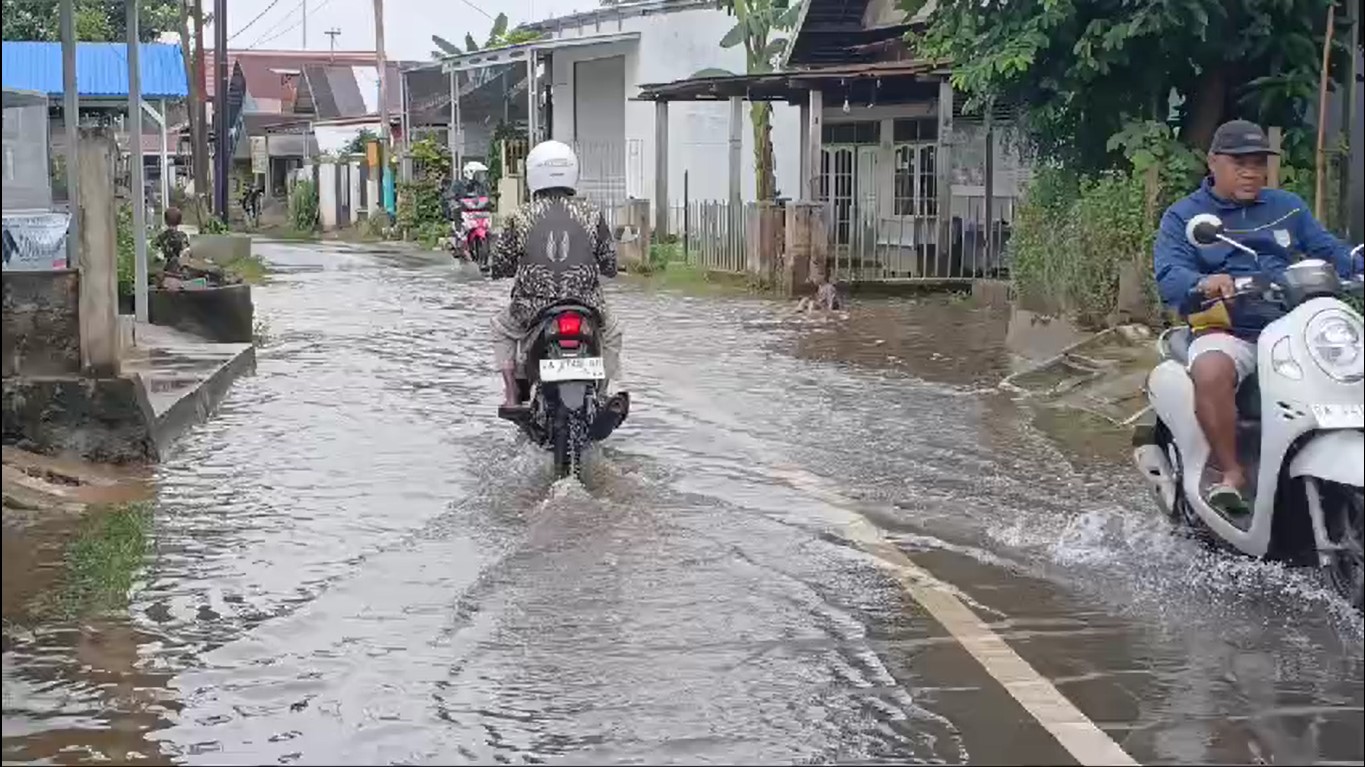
(1237, 137)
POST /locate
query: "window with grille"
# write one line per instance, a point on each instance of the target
(858, 132)
(916, 185)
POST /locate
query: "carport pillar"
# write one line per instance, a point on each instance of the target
(165, 158)
(661, 167)
(455, 136)
(990, 186)
(943, 165)
(812, 133)
(803, 175)
(532, 99)
(736, 149)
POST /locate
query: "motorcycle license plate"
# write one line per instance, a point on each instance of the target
(1340, 416)
(573, 369)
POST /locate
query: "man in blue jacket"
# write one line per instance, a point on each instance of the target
(1271, 222)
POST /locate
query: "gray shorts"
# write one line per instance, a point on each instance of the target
(1242, 353)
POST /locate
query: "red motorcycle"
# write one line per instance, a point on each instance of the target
(472, 240)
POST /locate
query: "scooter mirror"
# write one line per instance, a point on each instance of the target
(1203, 230)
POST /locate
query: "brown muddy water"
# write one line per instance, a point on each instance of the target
(355, 561)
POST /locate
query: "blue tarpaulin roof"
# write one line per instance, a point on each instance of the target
(101, 69)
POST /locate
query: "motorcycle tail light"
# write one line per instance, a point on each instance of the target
(570, 324)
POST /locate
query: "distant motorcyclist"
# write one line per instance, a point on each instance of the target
(556, 246)
(1273, 223)
(473, 181)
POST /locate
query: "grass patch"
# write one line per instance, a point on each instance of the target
(431, 233)
(100, 563)
(689, 278)
(250, 268)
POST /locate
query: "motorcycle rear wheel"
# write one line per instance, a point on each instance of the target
(570, 439)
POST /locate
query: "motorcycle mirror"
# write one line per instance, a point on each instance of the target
(1203, 230)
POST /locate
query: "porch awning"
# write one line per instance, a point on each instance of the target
(511, 54)
(788, 86)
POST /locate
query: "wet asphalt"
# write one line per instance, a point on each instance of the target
(354, 560)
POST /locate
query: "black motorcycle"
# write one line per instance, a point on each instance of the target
(562, 381)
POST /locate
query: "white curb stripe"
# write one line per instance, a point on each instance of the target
(1073, 730)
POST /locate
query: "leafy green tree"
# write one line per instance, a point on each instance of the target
(757, 23)
(1081, 70)
(362, 138)
(96, 20)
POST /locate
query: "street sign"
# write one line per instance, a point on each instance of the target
(260, 158)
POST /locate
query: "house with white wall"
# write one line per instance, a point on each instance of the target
(588, 68)
(911, 184)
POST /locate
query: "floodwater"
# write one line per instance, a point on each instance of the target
(355, 561)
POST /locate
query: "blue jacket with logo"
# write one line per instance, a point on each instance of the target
(1276, 224)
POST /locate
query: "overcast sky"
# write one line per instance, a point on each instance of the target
(408, 24)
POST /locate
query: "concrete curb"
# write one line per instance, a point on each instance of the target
(199, 402)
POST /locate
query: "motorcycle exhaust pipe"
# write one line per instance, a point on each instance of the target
(610, 417)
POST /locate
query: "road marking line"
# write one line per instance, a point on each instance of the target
(1072, 729)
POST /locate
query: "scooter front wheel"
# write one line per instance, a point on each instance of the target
(1343, 510)
(1181, 514)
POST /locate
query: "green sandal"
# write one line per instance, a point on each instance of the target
(1229, 500)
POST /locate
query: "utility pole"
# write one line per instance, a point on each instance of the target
(332, 43)
(71, 122)
(199, 127)
(382, 65)
(136, 188)
(222, 164)
(303, 7)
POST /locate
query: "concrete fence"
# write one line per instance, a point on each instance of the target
(347, 190)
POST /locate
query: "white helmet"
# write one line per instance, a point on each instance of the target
(472, 168)
(551, 165)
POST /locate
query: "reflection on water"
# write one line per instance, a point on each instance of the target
(355, 560)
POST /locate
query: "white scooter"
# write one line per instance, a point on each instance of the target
(1300, 430)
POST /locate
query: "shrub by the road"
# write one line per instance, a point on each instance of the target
(303, 206)
(1074, 235)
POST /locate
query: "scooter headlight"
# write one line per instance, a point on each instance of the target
(1334, 340)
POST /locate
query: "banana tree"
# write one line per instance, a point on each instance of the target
(499, 36)
(757, 24)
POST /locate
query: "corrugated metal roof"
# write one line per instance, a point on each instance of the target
(263, 69)
(347, 90)
(101, 69)
(778, 86)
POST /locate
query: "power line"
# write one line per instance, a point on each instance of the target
(234, 35)
(291, 27)
(267, 36)
(486, 14)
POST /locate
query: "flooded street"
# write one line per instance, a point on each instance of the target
(354, 560)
